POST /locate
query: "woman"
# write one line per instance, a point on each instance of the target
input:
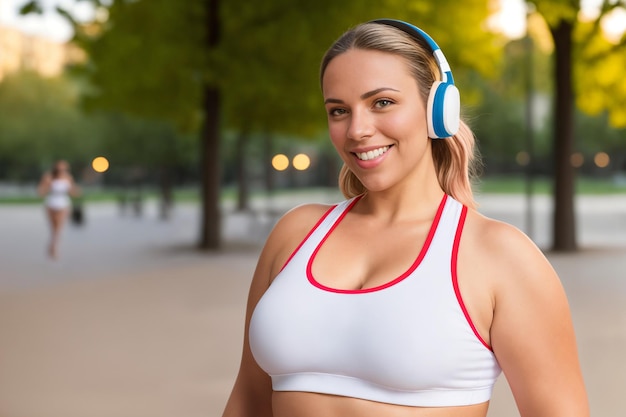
(402, 300)
(57, 186)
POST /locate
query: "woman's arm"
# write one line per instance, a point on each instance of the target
(252, 392)
(532, 333)
(44, 185)
(75, 190)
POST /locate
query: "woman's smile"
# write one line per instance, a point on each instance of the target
(373, 154)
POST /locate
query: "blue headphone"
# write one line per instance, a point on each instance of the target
(444, 102)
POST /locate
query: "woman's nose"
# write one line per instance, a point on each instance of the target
(361, 125)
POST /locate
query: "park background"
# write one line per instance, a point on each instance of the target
(191, 126)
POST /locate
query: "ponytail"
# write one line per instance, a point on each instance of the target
(456, 163)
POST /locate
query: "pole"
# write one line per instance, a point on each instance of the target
(529, 136)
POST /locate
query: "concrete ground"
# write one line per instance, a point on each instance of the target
(132, 321)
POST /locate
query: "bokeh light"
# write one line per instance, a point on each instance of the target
(301, 162)
(602, 160)
(100, 164)
(522, 158)
(577, 159)
(280, 162)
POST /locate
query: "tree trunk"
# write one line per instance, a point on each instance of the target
(267, 163)
(564, 221)
(167, 192)
(210, 234)
(243, 193)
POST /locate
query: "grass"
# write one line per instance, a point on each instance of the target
(497, 185)
(543, 185)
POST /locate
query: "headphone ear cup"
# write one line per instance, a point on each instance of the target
(443, 110)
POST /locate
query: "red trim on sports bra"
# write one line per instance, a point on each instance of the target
(308, 235)
(413, 267)
(455, 280)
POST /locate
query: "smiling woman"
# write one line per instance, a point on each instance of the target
(401, 300)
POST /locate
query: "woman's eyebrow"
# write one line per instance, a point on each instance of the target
(378, 90)
(363, 96)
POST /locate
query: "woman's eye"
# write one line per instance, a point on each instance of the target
(382, 103)
(337, 112)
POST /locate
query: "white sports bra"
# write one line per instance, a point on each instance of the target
(408, 342)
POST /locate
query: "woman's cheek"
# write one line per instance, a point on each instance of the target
(336, 135)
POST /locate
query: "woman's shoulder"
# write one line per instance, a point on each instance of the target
(290, 231)
(492, 233)
(504, 249)
(301, 218)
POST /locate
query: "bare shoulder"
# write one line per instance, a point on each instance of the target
(308, 214)
(290, 230)
(46, 177)
(44, 183)
(531, 331)
(494, 233)
(508, 250)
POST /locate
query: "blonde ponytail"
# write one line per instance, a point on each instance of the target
(456, 163)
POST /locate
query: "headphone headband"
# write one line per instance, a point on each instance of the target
(444, 103)
(419, 34)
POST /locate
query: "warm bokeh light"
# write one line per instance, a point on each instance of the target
(522, 158)
(577, 159)
(301, 162)
(100, 164)
(602, 160)
(280, 162)
(614, 25)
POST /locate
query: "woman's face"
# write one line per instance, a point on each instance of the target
(61, 166)
(376, 117)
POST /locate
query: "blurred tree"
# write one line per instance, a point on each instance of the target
(499, 118)
(252, 66)
(582, 58)
(595, 134)
(40, 122)
(141, 150)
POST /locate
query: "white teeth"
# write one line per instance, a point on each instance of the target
(366, 156)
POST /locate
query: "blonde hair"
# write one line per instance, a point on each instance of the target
(455, 158)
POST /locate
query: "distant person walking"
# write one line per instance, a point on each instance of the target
(57, 186)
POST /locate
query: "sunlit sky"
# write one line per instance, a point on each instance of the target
(510, 20)
(48, 25)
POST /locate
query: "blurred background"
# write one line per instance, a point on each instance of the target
(193, 100)
(190, 126)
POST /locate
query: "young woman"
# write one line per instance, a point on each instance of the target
(57, 186)
(402, 300)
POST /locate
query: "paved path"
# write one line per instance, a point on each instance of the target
(134, 322)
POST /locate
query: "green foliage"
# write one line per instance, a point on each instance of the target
(599, 75)
(598, 79)
(134, 145)
(150, 58)
(269, 56)
(40, 122)
(595, 134)
(31, 7)
(146, 58)
(555, 11)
